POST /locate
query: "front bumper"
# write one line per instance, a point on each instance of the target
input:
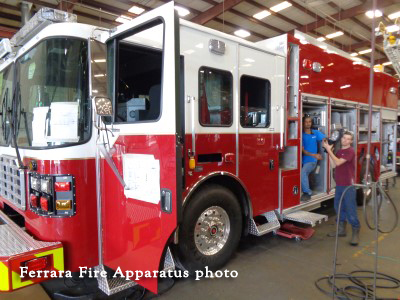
(16, 248)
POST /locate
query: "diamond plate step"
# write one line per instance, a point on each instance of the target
(258, 230)
(15, 241)
(112, 286)
(305, 217)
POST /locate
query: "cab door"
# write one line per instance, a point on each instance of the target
(262, 96)
(139, 219)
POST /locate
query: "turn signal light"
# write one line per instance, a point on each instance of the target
(44, 203)
(36, 264)
(63, 204)
(62, 186)
(34, 200)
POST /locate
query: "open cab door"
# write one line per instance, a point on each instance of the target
(143, 146)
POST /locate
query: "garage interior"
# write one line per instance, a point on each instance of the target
(271, 266)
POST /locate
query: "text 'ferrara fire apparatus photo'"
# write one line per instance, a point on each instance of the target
(159, 144)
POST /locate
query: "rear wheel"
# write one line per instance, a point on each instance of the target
(210, 229)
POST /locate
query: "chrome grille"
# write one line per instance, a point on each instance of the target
(12, 181)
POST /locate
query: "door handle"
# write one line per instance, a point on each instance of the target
(229, 157)
(271, 164)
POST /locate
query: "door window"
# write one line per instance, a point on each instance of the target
(255, 102)
(215, 94)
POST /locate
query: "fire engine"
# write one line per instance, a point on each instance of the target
(161, 142)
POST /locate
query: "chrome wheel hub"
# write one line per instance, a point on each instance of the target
(212, 230)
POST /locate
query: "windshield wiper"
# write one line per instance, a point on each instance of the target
(13, 131)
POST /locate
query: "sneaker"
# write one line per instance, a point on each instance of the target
(305, 197)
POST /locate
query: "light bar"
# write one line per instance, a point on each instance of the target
(5, 47)
(44, 14)
(281, 6)
(136, 10)
(365, 51)
(123, 19)
(387, 63)
(333, 35)
(370, 14)
(182, 11)
(321, 39)
(262, 14)
(394, 15)
(242, 33)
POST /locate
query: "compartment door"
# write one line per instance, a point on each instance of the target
(145, 144)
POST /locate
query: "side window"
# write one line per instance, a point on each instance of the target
(139, 75)
(215, 97)
(255, 102)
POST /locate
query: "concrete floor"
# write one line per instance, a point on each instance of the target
(273, 267)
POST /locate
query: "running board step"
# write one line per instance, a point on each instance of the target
(258, 230)
(305, 217)
(113, 285)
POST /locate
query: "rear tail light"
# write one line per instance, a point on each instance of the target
(36, 264)
(34, 200)
(62, 186)
(44, 203)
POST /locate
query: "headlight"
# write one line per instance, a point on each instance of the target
(35, 183)
(45, 186)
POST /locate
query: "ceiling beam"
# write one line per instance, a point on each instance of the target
(345, 14)
(10, 16)
(10, 7)
(254, 20)
(7, 32)
(215, 11)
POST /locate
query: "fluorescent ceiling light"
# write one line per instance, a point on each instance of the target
(333, 35)
(136, 10)
(321, 39)
(365, 51)
(354, 54)
(182, 11)
(99, 75)
(123, 19)
(394, 15)
(100, 60)
(328, 80)
(370, 14)
(242, 33)
(281, 6)
(387, 63)
(262, 14)
(392, 28)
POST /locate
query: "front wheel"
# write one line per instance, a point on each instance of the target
(210, 230)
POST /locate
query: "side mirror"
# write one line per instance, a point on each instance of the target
(103, 106)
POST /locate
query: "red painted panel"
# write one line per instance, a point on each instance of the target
(361, 154)
(289, 182)
(136, 232)
(78, 234)
(206, 144)
(343, 73)
(255, 153)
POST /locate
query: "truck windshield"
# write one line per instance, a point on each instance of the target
(52, 106)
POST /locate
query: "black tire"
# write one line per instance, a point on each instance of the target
(189, 255)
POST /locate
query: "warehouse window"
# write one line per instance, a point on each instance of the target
(215, 97)
(255, 102)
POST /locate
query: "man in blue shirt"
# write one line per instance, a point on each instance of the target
(310, 155)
